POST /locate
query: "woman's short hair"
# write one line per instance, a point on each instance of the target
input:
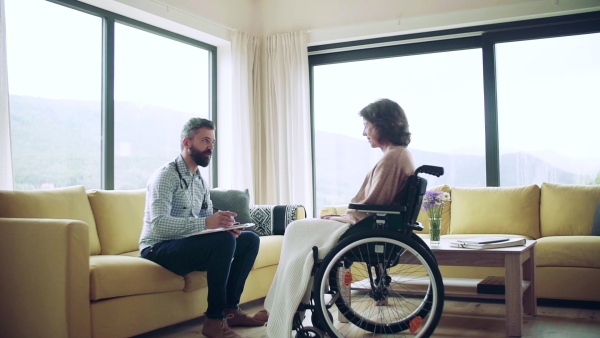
(191, 127)
(389, 120)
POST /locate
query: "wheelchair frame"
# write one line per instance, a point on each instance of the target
(382, 277)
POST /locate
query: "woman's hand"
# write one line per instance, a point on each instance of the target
(335, 218)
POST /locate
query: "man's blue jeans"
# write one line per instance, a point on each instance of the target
(226, 260)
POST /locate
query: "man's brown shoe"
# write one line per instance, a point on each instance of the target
(237, 317)
(218, 328)
(262, 316)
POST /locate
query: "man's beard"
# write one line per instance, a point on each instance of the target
(201, 158)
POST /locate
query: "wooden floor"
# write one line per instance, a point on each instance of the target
(461, 318)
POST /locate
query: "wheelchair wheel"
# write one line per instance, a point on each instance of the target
(419, 240)
(395, 287)
(309, 332)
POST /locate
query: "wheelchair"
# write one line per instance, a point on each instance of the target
(382, 277)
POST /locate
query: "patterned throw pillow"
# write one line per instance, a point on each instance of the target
(273, 219)
(233, 200)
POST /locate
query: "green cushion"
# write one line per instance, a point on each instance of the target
(233, 200)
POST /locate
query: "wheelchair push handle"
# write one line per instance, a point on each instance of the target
(431, 170)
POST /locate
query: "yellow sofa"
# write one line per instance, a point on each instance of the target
(558, 217)
(70, 266)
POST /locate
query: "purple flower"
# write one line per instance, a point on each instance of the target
(433, 203)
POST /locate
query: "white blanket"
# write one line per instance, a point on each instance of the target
(293, 273)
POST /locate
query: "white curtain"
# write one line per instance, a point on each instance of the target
(6, 173)
(284, 166)
(236, 170)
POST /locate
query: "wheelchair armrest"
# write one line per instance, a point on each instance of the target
(376, 208)
(417, 226)
(431, 170)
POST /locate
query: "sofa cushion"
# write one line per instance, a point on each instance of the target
(59, 203)
(269, 251)
(337, 209)
(424, 218)
(273, 219)
(123, 275)
(568, 210)
(568, 251)
(119, 218)
(195, 280)
(237, 201)
(496, 210)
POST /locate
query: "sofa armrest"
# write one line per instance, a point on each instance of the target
(273, 219)
(45, 284)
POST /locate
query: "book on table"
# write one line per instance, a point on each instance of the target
(487, 242)
(233, 227)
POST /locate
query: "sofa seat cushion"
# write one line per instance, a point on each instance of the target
(59, 203)
(269, 251)
(195, 280)
(496, 210)
(568, 251)
(568, 210)
(123, 275)
(119, 218)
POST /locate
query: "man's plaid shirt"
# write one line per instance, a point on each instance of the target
(174, 199)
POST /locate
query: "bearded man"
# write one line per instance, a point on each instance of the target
(178, 207)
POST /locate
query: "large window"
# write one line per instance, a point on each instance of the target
(504, 104)
(442, 95)
(97, 99)
(54, 68)
(548, 112)
(159, 84)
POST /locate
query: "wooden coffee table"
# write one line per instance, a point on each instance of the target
(519, 280)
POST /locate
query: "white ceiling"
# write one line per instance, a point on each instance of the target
(329, 21)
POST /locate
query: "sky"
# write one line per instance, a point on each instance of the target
(547, 89)
(55, 52)
(547, 98)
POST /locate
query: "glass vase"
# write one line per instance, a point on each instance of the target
(435, 229)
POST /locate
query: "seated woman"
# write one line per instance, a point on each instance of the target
(386, 127)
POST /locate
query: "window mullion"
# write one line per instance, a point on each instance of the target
(492, 153)
(108, 116)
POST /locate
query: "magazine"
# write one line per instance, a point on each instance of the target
(493, 245)
(483, 240)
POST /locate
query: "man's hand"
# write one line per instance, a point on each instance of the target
(220, 219)
(236, 232)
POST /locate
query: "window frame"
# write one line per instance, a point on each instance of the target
(108, 68)
(482, 36)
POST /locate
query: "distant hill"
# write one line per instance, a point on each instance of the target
(64, 136)
(342, 162)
